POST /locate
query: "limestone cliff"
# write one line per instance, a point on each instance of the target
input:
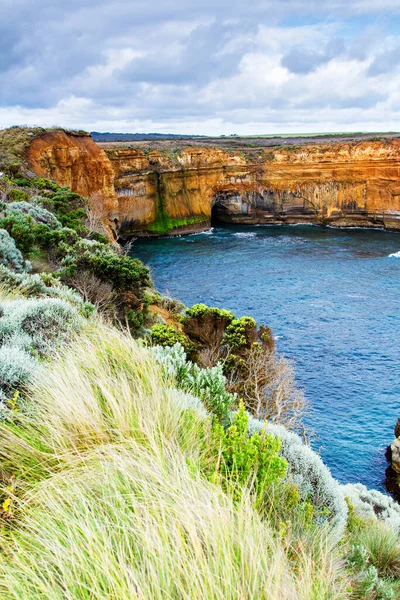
(145, 191)
(78, 162)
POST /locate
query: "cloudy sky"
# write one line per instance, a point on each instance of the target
(201, 66)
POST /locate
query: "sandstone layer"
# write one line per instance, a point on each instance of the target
(79, 163)
(144, 191)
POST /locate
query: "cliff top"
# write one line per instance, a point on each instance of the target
(232, 143)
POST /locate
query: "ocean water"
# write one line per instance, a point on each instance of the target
(332, 299)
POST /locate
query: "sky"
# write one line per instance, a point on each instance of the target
(207, 67)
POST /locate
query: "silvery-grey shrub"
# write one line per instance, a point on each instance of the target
(37, 212)
(310, 473)
(32, 285)
(17, 367)
(10, 256)
(371, 504)
(206, 384)
(31, 329)
(37, 325)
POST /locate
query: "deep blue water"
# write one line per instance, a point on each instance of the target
(332, 299)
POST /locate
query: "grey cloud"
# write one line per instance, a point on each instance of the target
(302, 60)
(385, 62)
(198, 59)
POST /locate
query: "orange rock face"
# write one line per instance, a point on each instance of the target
(173, 191)
(356, 184)
(76, 161)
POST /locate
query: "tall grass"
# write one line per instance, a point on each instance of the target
(108, 501)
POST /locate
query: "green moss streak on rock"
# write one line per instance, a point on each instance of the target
(164, 223)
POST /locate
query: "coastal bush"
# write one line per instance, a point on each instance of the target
(71, 210)
(41, 183)
(37, 212)
(246, 461)
(311, 475)
(122, 271)
(38, 326)
(164, 335)
(241, 333)
(74, 219)
(264, 380)
(21, 228)
(10, 255)
(373, 505)
(206, 327)
(373, 557)
(52, 238)
(207, 384)
(22, 182)
(17, 368)
(16, 195)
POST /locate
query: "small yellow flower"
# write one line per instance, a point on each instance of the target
(6, 505)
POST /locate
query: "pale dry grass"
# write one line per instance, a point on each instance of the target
(109, 501)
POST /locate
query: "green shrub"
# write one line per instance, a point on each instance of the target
(163, 335)
(65, 201)
(21, 228)
(16, 195)
(99, 237)
(202, 310)
(45, 184)
(247, 461)
(22, 182)
(74, 219)
(122, 271)
(241, 333)
(135, 318)
(52, 238)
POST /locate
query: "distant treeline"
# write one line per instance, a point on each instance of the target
(131, 137)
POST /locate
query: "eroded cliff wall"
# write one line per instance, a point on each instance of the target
(354, 184)
(77, 162)
(152, 192)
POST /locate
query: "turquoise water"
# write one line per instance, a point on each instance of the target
(332, 299)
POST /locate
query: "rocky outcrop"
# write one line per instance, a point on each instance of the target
(79, 163)
(144, 191)
(392, 480)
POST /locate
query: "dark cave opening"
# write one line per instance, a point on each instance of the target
(221, 208)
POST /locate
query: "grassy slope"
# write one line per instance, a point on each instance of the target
(108, 500)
